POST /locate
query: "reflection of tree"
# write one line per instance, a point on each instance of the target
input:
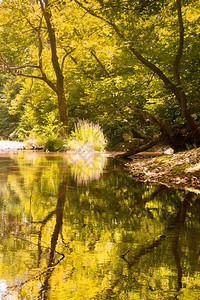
(62, 194)
(103, 219)
(46, 272)
(44, 222)
(178, 224)
(177, 260)
(175, 226)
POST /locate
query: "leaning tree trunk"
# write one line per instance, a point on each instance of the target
(194, 129)
(179, 93)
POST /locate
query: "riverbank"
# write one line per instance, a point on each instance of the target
(180, 169)
(6, 146)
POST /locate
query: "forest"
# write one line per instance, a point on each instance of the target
(131, 66)
(94, 225)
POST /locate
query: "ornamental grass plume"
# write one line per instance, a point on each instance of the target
(87, 137)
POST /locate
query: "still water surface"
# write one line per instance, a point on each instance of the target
(79, 227)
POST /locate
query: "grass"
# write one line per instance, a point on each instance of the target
(87, 137)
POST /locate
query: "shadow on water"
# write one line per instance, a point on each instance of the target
(78, 227)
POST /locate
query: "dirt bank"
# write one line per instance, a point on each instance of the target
(180, 169)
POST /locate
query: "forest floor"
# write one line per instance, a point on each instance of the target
(181, 169)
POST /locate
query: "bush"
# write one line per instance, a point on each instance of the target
(54, 144)
(86, 137)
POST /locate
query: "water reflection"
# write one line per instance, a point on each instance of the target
(46, 285)
(81, 228)
(86, 166)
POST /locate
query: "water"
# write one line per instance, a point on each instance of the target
(79, 227)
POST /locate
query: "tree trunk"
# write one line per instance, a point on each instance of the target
(179, 93)
(173, 135)
(63, 113)
(62, 103)
(194, 129)
(143, 147)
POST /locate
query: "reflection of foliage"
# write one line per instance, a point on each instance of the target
(86, 166)
(43, 212)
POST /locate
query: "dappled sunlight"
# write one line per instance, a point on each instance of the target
(194, 168)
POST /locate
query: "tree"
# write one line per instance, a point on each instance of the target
(109, 60)
(38, 18)
(117, 16)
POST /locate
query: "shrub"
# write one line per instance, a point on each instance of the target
(86, 137)
(54, 144)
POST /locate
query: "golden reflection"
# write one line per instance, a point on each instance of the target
(115, 239)
(86, 166)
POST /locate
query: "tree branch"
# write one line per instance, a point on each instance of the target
(169, 84)
(30, 76)
(13, 72)
(52, 39)
(6, 66)
(90, 11)
(156, 120)
(24, 67)
(100, 63)
(84, 71)
(64, 57)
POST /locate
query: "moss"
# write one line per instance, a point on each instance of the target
(181, 167)
(163, 159)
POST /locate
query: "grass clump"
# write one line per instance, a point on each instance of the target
(86, 137)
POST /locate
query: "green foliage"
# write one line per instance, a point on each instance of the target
(54, 144)
(8, 123)
(34, 108)
(86, 137)
(103, 81)
(8, 91)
